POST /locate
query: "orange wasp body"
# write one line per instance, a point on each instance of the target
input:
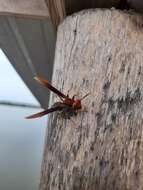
(68, 106)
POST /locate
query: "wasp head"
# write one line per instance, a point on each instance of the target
(77, 104)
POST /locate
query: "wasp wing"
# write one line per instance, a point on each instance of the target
(45, 112)
(49, 86)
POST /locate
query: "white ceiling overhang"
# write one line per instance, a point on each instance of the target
(29, 45)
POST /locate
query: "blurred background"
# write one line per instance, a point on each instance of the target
(21, 140)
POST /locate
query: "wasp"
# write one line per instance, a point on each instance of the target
(67, 106)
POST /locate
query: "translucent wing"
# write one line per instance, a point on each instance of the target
(45, 112)
(49, 86)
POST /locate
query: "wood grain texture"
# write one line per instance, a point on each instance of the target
(30, 8)
(98, 51)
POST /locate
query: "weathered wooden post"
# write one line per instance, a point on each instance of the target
(98, 51)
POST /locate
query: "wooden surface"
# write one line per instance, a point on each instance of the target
(101, 52)
(28, 8)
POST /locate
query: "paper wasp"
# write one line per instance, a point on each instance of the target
(67, 106)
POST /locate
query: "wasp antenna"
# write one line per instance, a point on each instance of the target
(85, 96)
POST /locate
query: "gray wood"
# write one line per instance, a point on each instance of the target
(100, 52)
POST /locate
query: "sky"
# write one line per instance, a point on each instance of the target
(12, 88)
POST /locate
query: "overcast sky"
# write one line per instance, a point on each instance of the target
(12, 88)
